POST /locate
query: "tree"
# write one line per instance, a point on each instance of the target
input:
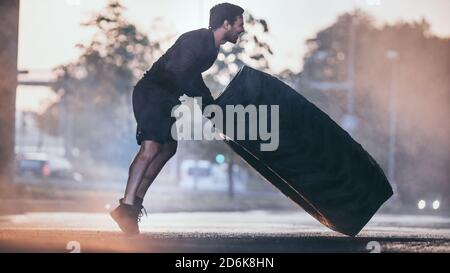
(420, 78)
(95, 90)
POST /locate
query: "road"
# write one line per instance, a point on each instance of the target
(243, 232)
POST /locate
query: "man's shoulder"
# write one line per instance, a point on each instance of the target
(197, 34)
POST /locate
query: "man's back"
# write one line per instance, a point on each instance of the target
(181, 66)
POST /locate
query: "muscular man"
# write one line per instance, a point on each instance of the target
(176, 73)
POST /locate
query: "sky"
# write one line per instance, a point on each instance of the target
(50, 29)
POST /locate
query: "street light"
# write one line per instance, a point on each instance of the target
(392, 56)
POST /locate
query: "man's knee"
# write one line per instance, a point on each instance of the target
(170, 149)
(149, 149)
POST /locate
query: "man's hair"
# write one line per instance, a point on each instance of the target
(221, 12)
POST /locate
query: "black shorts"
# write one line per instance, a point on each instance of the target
(152, 106)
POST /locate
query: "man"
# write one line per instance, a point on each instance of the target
(177, 72)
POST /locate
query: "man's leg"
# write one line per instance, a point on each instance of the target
(167, 151)
(127, 214)
(148, 152)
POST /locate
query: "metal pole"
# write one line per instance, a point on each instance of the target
(9, 33)
(392, 56)
(351, 68)
(230, 177)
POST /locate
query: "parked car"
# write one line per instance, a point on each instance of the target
(202, 175)
(41, 166)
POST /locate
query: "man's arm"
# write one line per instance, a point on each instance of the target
(198, 88)
(184, 70)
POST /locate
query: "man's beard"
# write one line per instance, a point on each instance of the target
(232, 38)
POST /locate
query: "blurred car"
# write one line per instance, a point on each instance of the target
(202, 175)
(43, 166)
(431, 202)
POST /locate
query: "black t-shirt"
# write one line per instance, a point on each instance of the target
(179, 69)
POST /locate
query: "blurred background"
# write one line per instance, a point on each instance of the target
(379, 68)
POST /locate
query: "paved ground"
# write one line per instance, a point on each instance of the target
(254, 231)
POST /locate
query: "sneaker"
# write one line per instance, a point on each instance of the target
(128, 217)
